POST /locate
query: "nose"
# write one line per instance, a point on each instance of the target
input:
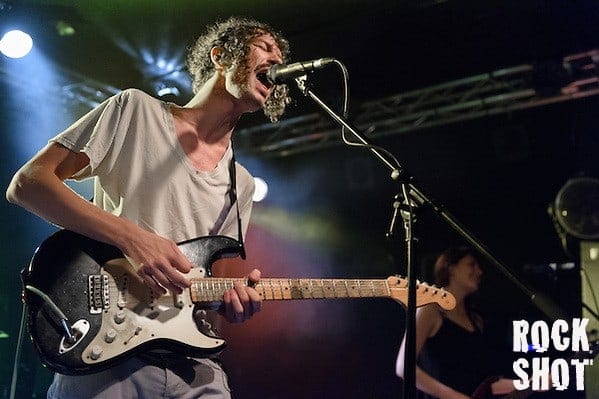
(274, 57)
(275, 60)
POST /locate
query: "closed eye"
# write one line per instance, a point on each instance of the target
(268, 47)
(262, 46)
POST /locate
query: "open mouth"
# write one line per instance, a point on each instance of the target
(261, 76)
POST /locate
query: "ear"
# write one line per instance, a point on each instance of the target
(216, 57)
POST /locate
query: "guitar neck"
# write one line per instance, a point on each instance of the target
(211, 289)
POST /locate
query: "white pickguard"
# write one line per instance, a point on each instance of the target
(135, 317)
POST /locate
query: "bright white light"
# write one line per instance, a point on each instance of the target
(165, 91)
(16, 44)
(261, 189)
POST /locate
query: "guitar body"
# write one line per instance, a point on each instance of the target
(112, 313)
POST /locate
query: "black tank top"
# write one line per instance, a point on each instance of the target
(457, 357)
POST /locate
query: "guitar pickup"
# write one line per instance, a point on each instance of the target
(98, 293)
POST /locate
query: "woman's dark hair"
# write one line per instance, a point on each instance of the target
(233, 36)
(448, 258)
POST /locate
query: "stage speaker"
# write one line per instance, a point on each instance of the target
(589, 278)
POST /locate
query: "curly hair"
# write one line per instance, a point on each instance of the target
(233, 36)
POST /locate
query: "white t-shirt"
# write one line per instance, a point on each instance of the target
(142, 173)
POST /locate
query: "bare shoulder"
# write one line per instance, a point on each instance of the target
(429, 318)
(431, 311)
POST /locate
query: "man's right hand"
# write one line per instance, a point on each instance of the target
(158, 261)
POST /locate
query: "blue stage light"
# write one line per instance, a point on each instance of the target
(16, 44)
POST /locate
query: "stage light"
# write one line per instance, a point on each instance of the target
(261, 189)
(163, 90)
(16, 44)
(64, 28)
(163, 68)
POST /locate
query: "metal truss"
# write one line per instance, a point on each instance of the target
(86, 92)
(501, 91)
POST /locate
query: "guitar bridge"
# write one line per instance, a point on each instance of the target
(99, 293)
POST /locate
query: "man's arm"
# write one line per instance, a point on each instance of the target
(39, 187)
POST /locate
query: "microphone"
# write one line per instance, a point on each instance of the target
(280, 73)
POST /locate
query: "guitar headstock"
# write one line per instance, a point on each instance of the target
(425, 293)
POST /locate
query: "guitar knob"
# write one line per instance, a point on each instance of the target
(119, 317)
(110, 335)
(206, 324)
(96, 352)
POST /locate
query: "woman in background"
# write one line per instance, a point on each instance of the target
(452, 352)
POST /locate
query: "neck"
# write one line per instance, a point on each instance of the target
(460, 296)
(212, 112)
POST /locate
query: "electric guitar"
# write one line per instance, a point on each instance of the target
(88, 309)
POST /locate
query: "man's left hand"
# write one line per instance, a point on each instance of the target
(242, 301)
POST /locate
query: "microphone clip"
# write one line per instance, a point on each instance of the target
(302, 84)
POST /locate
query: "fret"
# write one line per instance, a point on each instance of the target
(267, 285)
(194, 291)
(361, 291)
(387, 289)
(215, 284)
(347, 289)
(201, 291)
(355, 289)
(266, 289)
(278, 289)
(305, 289)
(285, 288)
(339, 290)
(328, 288)
(261, 289)
(205, 290)
(371, 288)
(296, 291)
(376, 288)
(317, 289)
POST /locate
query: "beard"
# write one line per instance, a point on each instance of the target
(277, 100)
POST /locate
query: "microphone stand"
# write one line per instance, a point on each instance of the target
(406, 212)
(412, 198)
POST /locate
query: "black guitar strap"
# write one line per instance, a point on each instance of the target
(233, 200)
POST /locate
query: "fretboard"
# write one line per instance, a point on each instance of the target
(211, 289)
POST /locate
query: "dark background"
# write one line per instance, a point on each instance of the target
(328, 209)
